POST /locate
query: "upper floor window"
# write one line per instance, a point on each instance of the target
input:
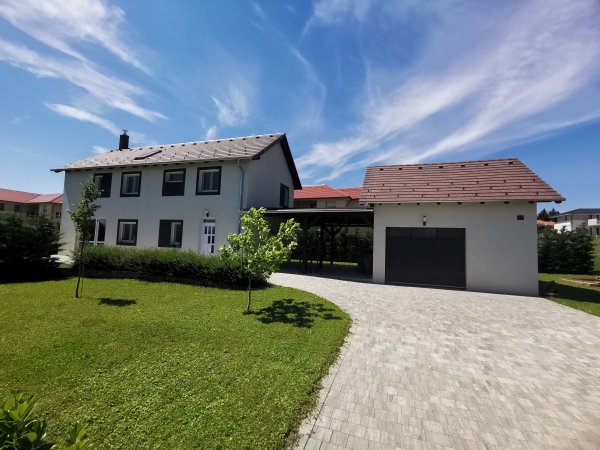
(103, 182)
(209, 181)
(58, 215)
(17, 208)
(127, 232)
(131, 184)
(173, 182)
(284, 196)
(1, 206)
(330, 204)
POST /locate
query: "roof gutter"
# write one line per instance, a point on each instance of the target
(241, 192)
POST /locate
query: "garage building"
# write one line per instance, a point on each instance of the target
(464, 225)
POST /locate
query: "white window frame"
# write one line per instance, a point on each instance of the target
(96, 227)
(121, 229)
(173, 172)
(172, 242)
(203, 173)
(126, 176)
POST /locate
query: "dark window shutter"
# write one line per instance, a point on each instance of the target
(106, 184)
(164, 233)
(281, 195)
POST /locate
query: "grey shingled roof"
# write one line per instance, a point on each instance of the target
(222, 149)
(578, 211)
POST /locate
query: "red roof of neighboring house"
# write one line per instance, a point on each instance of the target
(320, 191)
(8, 195)
(548, 224)
(493, 179)
(353, 193)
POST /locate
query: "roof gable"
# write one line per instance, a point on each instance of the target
(495, 179)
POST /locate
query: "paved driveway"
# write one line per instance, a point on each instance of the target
(435, 369)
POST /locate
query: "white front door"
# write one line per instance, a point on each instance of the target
(207, 245)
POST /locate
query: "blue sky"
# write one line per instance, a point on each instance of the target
(352, 83)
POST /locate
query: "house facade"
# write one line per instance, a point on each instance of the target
(589, 217)
(465, 225)
(186, 195)
(323, 196)
(28, 204)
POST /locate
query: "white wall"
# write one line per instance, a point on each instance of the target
(265, 176)
(501, 251)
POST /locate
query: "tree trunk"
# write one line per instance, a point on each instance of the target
(249, 292)
(80, 269)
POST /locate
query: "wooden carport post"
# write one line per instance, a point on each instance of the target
(305, 245)
(321, 247)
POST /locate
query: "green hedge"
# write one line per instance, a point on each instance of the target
(26, 247)
(168, 262)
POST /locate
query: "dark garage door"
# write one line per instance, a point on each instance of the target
(425, 256)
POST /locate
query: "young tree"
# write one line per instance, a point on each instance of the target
(83, 217)
(258, 253)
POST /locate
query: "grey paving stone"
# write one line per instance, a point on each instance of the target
(434, 369)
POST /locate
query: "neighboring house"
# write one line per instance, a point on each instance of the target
(323, 196)
(465, 225)
(181, 195)
(590, 217)
(27, 204)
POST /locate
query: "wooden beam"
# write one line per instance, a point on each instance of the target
(368, 221)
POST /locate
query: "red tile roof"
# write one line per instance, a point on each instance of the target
(548, 224)
(47, 198)
(493, 179)
(353, 193)
(320, 191)
(8, 195)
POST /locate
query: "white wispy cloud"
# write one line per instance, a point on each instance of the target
(98, 149)
(534, 71)
(110, 91)
(69, 111)
(58, 23)
(233, 107)
(211, 133)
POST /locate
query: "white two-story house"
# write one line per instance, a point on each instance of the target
(188, 195)
(590, 217)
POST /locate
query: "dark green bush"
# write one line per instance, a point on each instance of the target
(167, 262)
(26, 247)
(348, 244)
(568, 252)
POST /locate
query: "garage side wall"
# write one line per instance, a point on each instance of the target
(501, 251)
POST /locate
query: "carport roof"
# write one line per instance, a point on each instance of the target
(492, 180)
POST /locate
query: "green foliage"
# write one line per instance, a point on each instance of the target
(255, 250)
(26, 247)
(543, 215)
(568, 252)
(168, 366)
(167, 262)
(20, 431)
(348, 245)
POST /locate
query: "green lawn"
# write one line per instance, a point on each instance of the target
(575, 295)
(168, 366)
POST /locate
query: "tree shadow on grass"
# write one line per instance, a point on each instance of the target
(116, 302)
(574, 293)
(298, 314)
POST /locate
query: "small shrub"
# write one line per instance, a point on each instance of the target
(169, 262)
(20, 431)
(26, 247)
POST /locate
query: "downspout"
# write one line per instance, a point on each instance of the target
(241, 191)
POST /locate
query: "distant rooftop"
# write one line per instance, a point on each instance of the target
(9, 195)
(324, 191)
(579, 211)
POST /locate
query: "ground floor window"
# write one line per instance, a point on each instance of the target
(99, 232)
(207, 245)
(170, 233)
(127, 232)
